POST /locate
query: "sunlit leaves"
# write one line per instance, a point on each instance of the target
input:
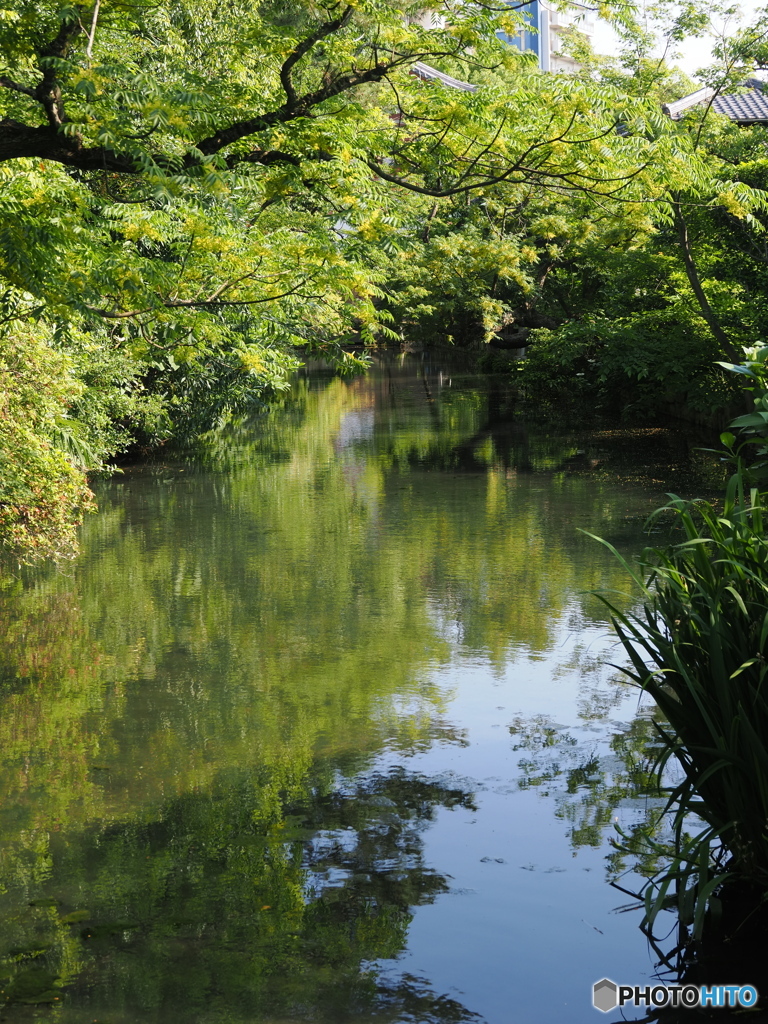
(43, 493)
(231, 181)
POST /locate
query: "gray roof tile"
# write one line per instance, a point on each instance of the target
(745, 107)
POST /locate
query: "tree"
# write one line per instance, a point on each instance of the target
(638, 305)
(190, 190)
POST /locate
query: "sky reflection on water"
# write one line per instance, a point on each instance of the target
(319, 728)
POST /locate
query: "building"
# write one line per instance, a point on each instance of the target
(545, 35)
(748, 107)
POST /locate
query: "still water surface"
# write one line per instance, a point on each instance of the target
(323, 730)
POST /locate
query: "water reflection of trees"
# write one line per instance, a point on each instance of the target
(595, 781)
(316, 588)
(210, 911)
(284, 608)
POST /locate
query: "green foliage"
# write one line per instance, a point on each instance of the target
(444, 288)
(644, 310)
(43, 495)
(699, 650)
(752, 427)
(188, 193)
(639, 365)
(191, 193)
(689, 284)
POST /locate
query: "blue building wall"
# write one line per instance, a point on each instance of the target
(536, 41)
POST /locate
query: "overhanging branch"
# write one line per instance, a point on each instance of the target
(571, 181)
(18, 140)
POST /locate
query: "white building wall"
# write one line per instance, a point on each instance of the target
(556, 22)
(547, 41)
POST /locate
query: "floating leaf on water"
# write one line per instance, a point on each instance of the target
(51, 996)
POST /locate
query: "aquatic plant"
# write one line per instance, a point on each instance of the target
(699, 648)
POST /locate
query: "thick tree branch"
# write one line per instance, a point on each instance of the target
(48, 91)
(326, 29)
(19, 140)
(692, 273)
(15, 87)
(303, 105)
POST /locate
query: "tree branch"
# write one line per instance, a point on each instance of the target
(301, 107)
(92, 33)
(692, 274)
(15, 87)
(326, 29)
(19, 140)
(262, 156)
(195, 304)
(48, 91)
(571, 181)
(525, 166)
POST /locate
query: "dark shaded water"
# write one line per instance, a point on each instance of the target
(323, 730)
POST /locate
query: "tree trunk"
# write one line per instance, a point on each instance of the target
(727, 345)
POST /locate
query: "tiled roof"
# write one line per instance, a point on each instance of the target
(745, 107)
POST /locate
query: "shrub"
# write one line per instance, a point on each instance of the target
(644, 363)
(700, 649)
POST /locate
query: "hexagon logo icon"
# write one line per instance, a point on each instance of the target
(605, 995)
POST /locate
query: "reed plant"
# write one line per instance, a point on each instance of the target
(699, 648)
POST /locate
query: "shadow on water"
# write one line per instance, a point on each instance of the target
(730, 955)
(591, 784)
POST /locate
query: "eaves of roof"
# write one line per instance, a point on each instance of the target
(743, 108)
(430, 74)
(676, 109)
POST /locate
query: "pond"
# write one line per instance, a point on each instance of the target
(323, 727)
